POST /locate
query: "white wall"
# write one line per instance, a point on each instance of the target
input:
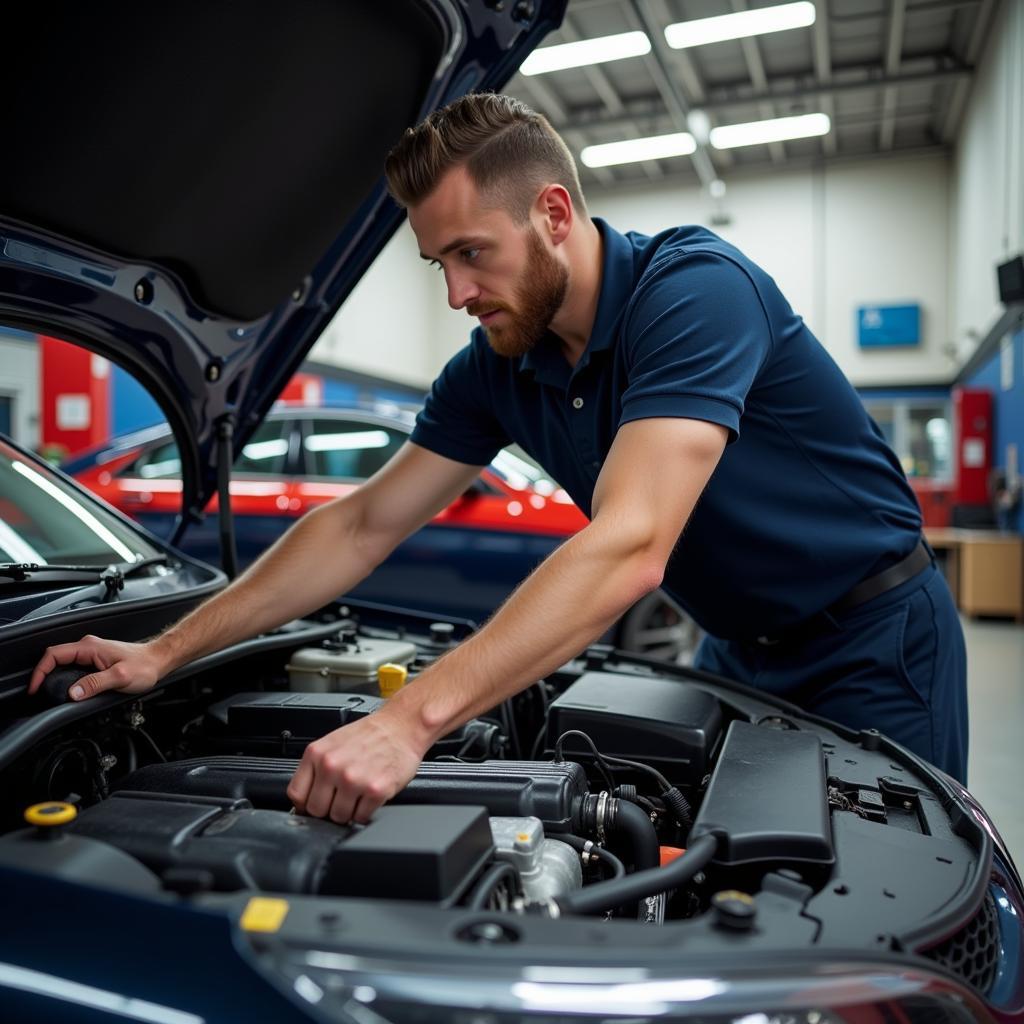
(19, 377)
(987, 194)
(851, 234)
(833, 238)
(387, 325)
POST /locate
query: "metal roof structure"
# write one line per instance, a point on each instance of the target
(893, 76)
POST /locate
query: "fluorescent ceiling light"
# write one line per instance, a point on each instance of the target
(778, 129)
(739, 25)
(655, 147)
(586, 51)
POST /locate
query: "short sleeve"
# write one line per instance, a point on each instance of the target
(457, 419)
(696, 336)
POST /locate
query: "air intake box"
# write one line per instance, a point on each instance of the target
(670, 724)
(767, 798)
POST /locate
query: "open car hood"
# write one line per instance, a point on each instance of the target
(193, 189)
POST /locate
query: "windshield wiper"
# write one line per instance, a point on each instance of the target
(113, 576)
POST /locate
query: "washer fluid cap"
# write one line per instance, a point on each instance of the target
(391, 678)
(51, 813)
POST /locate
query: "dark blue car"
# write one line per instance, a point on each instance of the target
(192, 190)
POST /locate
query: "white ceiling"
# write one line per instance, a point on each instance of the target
(893, 75)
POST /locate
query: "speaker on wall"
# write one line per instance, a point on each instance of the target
(1011, 280)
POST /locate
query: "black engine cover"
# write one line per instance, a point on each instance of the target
(551, 792)
(422, 853)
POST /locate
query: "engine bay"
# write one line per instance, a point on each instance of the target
(618, 792)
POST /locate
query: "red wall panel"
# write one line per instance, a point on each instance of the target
(75, 397)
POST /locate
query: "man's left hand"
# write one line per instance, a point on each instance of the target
(349, 773)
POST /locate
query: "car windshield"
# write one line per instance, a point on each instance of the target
(45, 521)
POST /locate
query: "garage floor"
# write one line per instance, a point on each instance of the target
(995, 684)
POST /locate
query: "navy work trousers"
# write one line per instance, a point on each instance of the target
(896, 663)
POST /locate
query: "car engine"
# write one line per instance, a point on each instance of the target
(616, 790)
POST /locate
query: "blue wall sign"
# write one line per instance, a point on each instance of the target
(882, 326)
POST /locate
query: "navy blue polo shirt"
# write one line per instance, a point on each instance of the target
(807, 499)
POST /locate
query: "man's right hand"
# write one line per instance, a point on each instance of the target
(130, 668)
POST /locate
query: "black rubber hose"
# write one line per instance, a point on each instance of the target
(606, 857)
(631, 821)
(489, 882)
(602, 896)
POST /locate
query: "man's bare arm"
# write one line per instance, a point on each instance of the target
(650, 483)
(322, 556)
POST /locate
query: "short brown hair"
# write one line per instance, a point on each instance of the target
(510, 151)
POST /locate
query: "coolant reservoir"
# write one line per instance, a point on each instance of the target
(49, 848)
(346, 666)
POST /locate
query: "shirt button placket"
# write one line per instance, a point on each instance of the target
(584, 443)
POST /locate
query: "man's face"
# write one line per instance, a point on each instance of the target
(497, 270)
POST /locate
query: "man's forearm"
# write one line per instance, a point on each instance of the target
(319, 558)
(569, 601)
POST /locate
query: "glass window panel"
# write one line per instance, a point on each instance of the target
(265, 454)
(43, 519)
(929, 442)
(350, 451)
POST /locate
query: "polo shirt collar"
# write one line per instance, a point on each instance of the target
(545, 359)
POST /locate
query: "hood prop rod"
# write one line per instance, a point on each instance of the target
(226, 521)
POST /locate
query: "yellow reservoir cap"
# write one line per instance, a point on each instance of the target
(391, 678)
(53, 812)
(264, 914)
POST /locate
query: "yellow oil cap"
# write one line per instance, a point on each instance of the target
(53, 812)
(391, 678)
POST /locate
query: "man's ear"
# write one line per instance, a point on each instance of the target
(557, 215)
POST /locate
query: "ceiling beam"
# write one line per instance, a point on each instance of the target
(594, 73)
(604, 88)
(755, 68)
(958, 100)
(679, 61)
(893, 49)
(543, 98)
(823, 70)
(671, 94)
(648, 107)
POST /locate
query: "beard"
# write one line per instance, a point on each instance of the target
(539, 295)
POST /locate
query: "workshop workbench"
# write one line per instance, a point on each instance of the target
(984, 569)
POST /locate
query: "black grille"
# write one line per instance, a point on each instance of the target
(973, 952)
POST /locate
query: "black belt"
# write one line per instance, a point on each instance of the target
(918, 559)
(874, 586)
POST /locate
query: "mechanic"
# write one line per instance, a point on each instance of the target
(664, 382)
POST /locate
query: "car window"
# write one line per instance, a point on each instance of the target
(349, 450)
(266, 453)
(155, 463)
(45, 520)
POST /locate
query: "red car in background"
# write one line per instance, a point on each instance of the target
(464, 563)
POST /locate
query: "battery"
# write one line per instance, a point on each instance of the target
(667, 723)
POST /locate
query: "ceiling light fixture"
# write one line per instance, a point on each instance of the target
(585, 52)
(684, 34)
(779, 129)
(629, 151)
